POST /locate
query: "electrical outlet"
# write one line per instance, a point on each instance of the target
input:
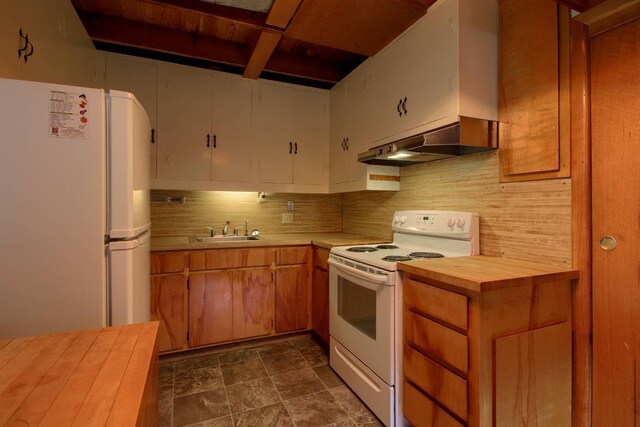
(287, 218)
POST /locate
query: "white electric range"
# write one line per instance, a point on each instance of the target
(365, 295)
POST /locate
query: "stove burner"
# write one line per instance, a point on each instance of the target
(387, 247)
(426, 255)
(362, 249)
(396, 258)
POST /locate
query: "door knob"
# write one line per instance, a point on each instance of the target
(608, 243)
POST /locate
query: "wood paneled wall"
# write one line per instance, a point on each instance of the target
(525, 220)
(313, 212)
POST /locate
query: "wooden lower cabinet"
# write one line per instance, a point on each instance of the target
(168, 305)
(210, 307)
(252, 303)
(499, 358)
(292, 298)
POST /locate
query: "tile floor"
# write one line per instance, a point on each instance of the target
(285, 382)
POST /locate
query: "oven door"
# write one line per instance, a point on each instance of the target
(361, 306)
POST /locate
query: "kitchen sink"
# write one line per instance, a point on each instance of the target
(222, 239)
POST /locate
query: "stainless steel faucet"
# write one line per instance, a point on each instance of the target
(246, 227)
(212, 231)
(225, 228)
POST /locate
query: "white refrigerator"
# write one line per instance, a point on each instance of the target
(74, 208)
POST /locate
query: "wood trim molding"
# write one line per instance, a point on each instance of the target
(608, 15)
(373, 177)
(581, 224)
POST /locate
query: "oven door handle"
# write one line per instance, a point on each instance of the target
(377, 278)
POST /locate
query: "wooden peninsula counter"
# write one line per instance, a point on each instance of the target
(97, 377)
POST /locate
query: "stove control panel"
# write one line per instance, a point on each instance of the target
(450, 223)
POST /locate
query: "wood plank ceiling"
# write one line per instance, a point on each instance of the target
(312, 42)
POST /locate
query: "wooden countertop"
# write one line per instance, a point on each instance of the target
(87, 378)
(483, 273)
(325, 240)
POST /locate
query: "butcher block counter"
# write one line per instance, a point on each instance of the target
(487, 342)
(98, 377)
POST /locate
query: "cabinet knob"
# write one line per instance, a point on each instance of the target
(608, 243)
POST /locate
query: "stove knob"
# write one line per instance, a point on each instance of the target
(460, 222)
(379, 151)
(396, 219)
(451, 223)
(403, 219)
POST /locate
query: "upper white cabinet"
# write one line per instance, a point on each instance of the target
(184, 124)
(231, 151)
(290, 126)
(349, 137)
(50, 36)
(443, 67)
(139, 77)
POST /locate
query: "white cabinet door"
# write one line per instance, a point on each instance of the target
(140, 78)
(357, 129)
(310, 130)
(12, 18)
(184, 123)
(337, 133)
(231, 146)
(431, 72)
(79, 54)
(273, 129)
(385, 93)
(45, 25)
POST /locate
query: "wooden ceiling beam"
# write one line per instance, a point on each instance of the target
(161, 39)
(247, 18)
(579, 5)
(123, 32)
(262, 51)
(281, 12)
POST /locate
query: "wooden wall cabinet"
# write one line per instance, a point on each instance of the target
(169, 298)
(320, 294)
(498, 355)
(534, 90)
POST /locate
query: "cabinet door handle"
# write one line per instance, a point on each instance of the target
(343, 142)
(215, 141)
(296, 148)
(27, 55)
(398, 108)
(153, 136)
(26, 43)
(346, 143)
(208, 141)
(404, 105)
(290, 147)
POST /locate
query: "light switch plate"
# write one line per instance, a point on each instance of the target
(287, 218)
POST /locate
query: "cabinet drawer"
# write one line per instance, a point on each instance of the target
(170, 262)
(293, 255)
(440, 383)
(447, 306)
(320, 258)
(437, 341)
(422, 411)
(231, 258)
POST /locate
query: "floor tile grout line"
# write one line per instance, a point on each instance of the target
(279, 394)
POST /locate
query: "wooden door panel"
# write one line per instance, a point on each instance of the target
(169, 262)
(252, 302)
(293, 255)
(615, 127)
(210, 307)
(231, 258)
(292, 284)
(168, 306)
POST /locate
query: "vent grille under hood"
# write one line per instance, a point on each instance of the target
(468, 136)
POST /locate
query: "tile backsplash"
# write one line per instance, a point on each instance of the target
(312, 212)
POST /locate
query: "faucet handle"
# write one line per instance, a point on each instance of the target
(212, 231)
(246, 227)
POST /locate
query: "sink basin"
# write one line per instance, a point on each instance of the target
(222, 239)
